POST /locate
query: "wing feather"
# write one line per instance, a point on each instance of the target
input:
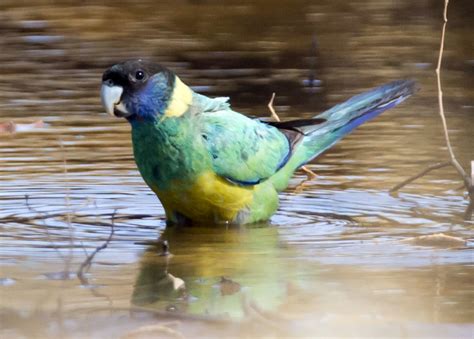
(243, 150)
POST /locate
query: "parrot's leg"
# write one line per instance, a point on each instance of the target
(176, 218)
(310, 175)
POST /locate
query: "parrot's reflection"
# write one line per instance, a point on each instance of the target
(207, 270)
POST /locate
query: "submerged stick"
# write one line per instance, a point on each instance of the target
(419, 175)
(86, 264)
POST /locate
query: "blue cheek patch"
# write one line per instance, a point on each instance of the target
(152, 100)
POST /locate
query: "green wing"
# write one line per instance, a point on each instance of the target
(243, 150)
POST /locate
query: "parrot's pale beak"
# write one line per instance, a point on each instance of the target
(111, 96)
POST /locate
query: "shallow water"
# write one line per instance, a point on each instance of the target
(341, 257)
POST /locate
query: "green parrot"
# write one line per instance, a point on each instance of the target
(210, 164)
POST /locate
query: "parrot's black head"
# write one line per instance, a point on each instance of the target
(137, 89)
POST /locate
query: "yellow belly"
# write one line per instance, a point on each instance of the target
(209, 198)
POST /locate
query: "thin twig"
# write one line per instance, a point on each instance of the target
(272, 110)
(309, 173)
(86, 264)
(42, 216)
(67, 262)
(454, 161)
(419, 175)
(46, 229)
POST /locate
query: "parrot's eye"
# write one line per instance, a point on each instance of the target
(140, 75)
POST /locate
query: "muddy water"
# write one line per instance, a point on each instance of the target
(341, 257)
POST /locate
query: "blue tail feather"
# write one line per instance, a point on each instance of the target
(345, 117)
(359, 120)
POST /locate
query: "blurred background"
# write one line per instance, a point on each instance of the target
(341, 257)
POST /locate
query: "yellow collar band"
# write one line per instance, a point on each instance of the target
(181, 98)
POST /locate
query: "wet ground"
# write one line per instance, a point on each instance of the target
(342, 257)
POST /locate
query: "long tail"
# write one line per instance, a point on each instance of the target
(345, 117)
(327, 128)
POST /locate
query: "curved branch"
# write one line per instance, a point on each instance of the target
(419, 175)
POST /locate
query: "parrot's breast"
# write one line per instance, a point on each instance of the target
(208, 198)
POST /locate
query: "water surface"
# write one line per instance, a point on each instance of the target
(341, 257)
